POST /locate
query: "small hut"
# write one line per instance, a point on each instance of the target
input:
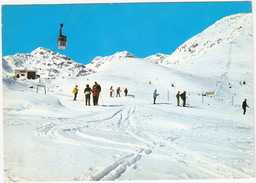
(24, 73)
(210, 94)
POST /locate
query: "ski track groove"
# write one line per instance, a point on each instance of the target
(221, 170)
(119, 167)
(68, 133)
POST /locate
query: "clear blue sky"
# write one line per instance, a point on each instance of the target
(142, 29)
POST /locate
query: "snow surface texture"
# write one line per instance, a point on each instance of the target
(50, 137)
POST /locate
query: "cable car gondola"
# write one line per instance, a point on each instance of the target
(62, 40)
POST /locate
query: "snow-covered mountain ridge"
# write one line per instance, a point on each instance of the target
(98, 61)
(45, 62)
(50, 64)
(226, 30)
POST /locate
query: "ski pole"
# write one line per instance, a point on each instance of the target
(101, 100)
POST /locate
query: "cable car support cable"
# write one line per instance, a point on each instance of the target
(62, 40)
(62, 25)
(80, 18)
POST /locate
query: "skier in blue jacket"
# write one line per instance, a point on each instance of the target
(155, 94)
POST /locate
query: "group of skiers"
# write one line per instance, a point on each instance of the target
(178, 96)
(183, 97)
(118, 91)
(95, 91)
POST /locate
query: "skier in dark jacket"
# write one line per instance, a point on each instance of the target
(111, 90)
(183, 97)
(96, 93)
(126, 91)
(87, 92)
(178, 98)
(244, 105)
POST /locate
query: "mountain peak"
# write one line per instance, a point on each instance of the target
(224, 31)
(157, 58)
(46, 62)
(124, 54)
(41, 50)
(99, 61)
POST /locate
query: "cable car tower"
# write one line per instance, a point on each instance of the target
(62, 40)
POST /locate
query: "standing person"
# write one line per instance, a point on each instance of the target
(96, 92)
(97, 86)
(126, 91)
(111, 91)
(75, 92)
(183, 97)
(178, 98)
(244, 105)
(155, 94)
(118, 90)
(87, 92)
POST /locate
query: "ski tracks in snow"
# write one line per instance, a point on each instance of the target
(119, 121)
(118, 167)
(125, 123)
(86, 131)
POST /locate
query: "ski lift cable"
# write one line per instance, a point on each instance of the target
(86, 10)
(54, 38)
(67, 14)
(80, 18)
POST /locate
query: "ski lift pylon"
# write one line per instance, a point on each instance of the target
(62, 40)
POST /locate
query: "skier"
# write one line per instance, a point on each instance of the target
(183, 97)
(244, 105)
(111, 91)
(97, 86)
(118, 90)
(96, 92)
(126, 91)
(155, 94)
(75, 91)
(178, 98)
(87, 92)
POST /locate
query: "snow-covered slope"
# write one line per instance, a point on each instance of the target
(50, 137)
(126, 138)
(46, 62)
(223, 31)
(99, 63)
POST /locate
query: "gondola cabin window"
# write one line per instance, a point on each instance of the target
(62, 42)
